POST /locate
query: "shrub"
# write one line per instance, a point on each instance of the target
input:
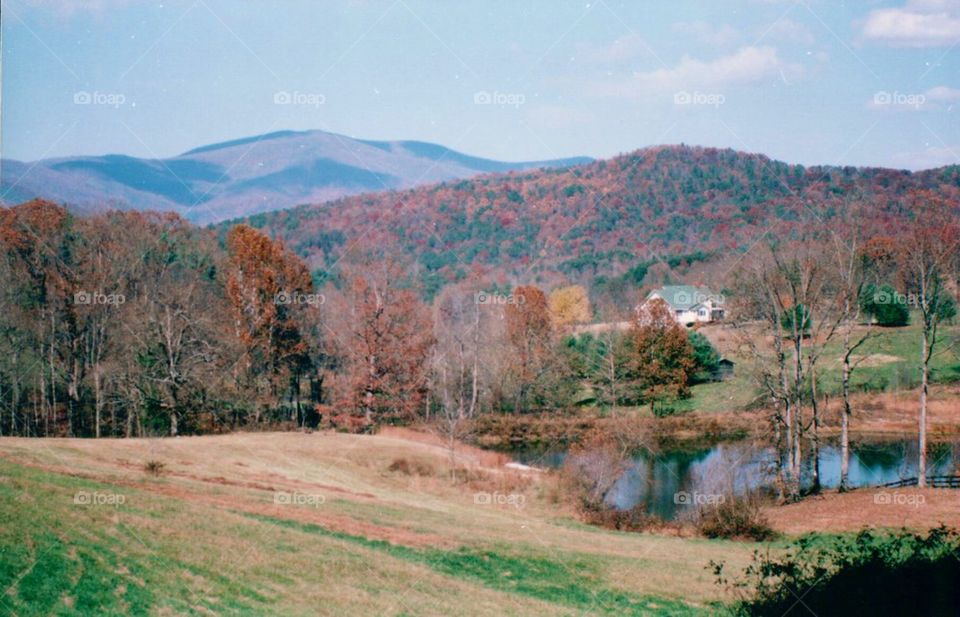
(705, 355)
(886, 305)
(154, 467)
(411, 468)
(735, 517)
(632, 519)
(870, 574)
(797, 319)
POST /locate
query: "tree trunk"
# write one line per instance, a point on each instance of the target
(845, 416)
(924, 380)
(97, 400)
(816, 427)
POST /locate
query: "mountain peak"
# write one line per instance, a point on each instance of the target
(248, 175)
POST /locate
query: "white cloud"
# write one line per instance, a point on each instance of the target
(919, 23)
(704, 32)
(943, 93)
(746, 65)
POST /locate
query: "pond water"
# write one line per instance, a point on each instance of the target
(669, 483)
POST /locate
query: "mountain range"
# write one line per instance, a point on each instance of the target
(245, 176)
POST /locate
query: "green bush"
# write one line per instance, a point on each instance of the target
(870, 574)
(705, 355)
(799, 315)
(885, 305)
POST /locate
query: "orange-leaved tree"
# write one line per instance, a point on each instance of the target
(661, 360)
(267, 286)
(384, 336)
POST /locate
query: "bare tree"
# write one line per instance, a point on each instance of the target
(928, 255)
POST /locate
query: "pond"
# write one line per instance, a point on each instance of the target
(669, 483)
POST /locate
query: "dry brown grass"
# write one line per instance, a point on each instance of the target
(918, 509)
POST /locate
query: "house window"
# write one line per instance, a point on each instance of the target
(703, 312)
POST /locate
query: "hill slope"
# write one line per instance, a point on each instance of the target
(593, 222)
(298, 524)
(245, 176)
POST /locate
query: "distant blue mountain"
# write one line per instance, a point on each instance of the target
(246, 176)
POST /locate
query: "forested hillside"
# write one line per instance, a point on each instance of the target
(603, 224)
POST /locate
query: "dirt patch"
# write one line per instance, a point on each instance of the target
(873, 359)
(909, 507)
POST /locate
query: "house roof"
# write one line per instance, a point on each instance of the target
(685, 297)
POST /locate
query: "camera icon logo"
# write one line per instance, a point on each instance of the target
(482, 98)
(283, 297)
(682, 98)
(482, 499)
(281, 98)
(82, 297)
(682, 498)
(82, 98)
(882, 98)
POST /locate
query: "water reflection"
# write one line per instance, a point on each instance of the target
(669, 483)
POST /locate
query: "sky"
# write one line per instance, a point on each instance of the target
(803, 81)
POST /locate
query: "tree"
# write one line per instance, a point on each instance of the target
(529, 332)
(384, 338)
(927, 256)
(268, 287)
(662, 361)
(885, 305)
(705, 356)
(456, 364)
(174, 322)
(850, 262)
(569, 305)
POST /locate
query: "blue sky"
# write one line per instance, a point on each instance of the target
(811, 81)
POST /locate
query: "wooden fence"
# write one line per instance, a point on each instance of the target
(932, 482)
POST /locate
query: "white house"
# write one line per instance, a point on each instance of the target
(690, 304)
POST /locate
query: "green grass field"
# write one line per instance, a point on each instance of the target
(891, 363)
(206, 537)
